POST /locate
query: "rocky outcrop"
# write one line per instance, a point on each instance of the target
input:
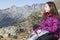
(8, 30)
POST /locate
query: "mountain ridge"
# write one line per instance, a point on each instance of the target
(15, 14)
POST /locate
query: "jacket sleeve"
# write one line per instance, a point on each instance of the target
(43, 23)
(53, 27)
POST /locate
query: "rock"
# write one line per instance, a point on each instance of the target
(5, 31)
(1, 36)
(11, 36)
(5, 35)
(2, 31)
(20, 30)
(11, 30)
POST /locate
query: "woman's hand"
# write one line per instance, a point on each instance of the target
(38, 31)
(33, 32)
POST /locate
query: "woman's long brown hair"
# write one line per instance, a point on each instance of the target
(53, 10)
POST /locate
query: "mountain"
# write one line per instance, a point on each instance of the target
(12, 15)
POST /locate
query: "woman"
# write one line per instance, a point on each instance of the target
(50, 21)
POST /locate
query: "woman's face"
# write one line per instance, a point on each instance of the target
(47, 8)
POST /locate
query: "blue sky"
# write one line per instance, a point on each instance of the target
(8, 3)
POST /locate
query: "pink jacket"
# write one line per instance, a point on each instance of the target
(51, 24)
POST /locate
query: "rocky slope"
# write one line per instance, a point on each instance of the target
(18, 21)
(20, 31)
